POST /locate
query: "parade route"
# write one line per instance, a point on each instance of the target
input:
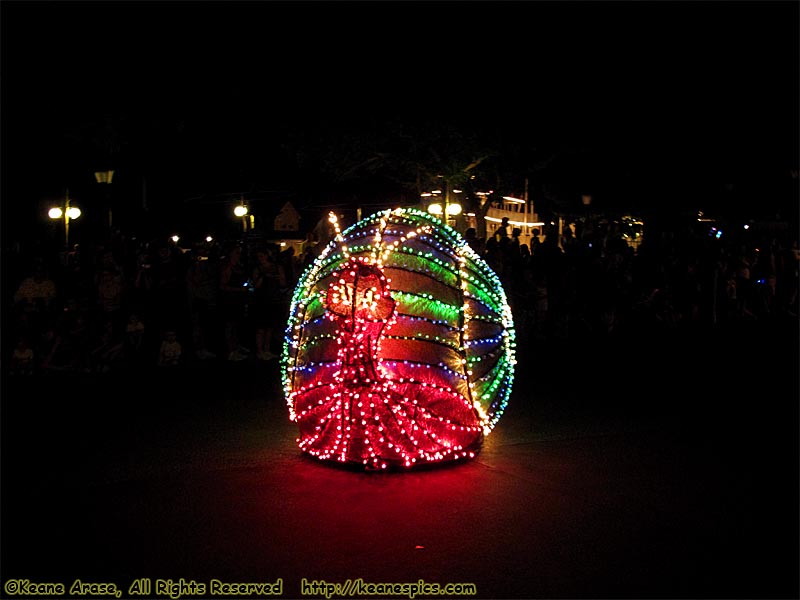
(663, 477)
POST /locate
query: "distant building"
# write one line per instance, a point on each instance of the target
(288, 219)
(285, 230)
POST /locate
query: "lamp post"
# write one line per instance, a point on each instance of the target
(68, 213)
(450, 209)
(453, 208)
(105, 177)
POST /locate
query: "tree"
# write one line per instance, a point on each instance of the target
(415, 157)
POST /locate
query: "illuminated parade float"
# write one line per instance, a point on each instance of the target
(399, 347)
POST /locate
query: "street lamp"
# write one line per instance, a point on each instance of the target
(68, 213)
(450, 208)
(106, 177)
(434, 206)
(241, 212)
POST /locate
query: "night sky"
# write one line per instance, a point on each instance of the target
(650, 100)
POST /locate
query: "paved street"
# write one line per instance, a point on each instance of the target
(665, 468)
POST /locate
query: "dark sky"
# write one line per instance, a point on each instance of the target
(656, 91)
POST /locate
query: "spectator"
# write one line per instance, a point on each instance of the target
(108, 264)
(110, 298)
(134, 336)
(309, 243)
(287, 260)
(502, 229)
(35, 297)
(22, 357)
(65, 345)
(269, 279)
(202, 285)
(143, 281)
(169, 354)
(107, 349)
(169, 280)
(471, 237)
(233, 296)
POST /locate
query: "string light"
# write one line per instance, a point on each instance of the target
(400, 346)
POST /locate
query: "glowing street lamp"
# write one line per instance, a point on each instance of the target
(450, 208)
(435, 209)
(68, 213)
(454, 209)
(241, 211)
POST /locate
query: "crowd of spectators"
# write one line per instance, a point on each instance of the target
(139, 304)
(590, 284)
(133, 304)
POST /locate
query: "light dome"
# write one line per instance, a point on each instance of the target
(399, 348)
